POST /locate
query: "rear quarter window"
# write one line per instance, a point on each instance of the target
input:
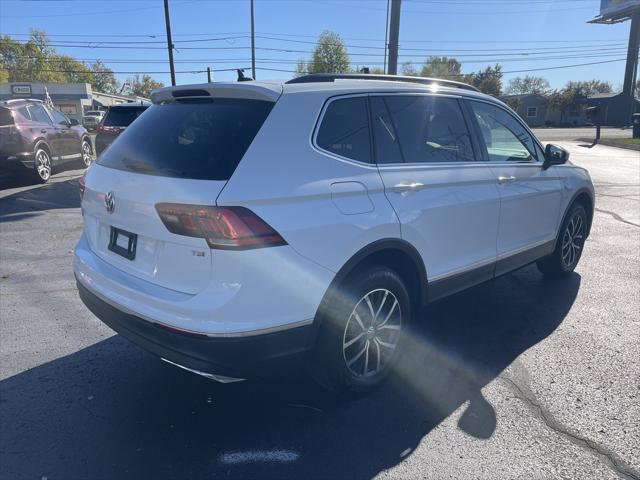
(344, 129)
(195, 140)
(5, 117)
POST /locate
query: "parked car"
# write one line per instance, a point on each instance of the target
(238, 228)
(92, 119)
(115, 121)
(39, 137)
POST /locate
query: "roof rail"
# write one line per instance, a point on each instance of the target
(330, 77)
(11, 100)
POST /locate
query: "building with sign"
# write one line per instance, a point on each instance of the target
(72, 99)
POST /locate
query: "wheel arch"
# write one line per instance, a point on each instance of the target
(585, 198)
(41, 143)
(394, 253)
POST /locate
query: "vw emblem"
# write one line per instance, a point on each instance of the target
(110, 202)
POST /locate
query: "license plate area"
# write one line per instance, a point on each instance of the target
(123, 243)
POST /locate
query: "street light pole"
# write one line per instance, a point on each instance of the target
(169, 42)
(253, 45)
(394, 35)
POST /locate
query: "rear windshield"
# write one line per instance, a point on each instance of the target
(122, 117)
(5, 117)
(93, 114)
(202, 141)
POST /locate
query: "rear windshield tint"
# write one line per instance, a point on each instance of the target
(5, 117)
(122, 117)
(202, 141)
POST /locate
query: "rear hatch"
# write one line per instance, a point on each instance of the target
(179, 152)
(119, 118)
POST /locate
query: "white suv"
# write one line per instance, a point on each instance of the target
(240, 228)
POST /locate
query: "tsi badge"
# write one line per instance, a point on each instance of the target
(110, 202)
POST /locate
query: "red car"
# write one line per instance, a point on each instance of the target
(116, 120)
(39, 137)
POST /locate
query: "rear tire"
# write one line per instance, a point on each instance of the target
(86, 153)
(361, 331)
(569, 244)
(42, 165)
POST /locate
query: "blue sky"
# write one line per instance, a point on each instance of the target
(519, 34)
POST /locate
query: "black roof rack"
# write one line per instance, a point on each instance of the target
(330, 77)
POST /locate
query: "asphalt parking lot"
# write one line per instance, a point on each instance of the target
(519, 378)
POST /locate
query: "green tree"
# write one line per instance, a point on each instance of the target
(72, 70)
(488, 81)
(103, 78)
(143, 85)
(589, 87)
(408, 68)
(441, 67)
(329, 56)
(528, 84)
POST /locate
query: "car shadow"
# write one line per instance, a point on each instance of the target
(27, 203)
(114, 411)
(21, 177)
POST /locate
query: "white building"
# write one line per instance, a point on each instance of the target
(73, 99)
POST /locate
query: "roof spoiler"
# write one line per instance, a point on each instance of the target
(331, 77)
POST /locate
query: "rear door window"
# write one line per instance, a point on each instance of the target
(38, 114)
(420, 129)
(345, 129)
(122, 117)
(195, 140)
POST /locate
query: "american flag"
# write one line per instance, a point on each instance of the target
(47, 99)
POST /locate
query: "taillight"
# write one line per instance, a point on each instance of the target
(228, 228)
(81, 184)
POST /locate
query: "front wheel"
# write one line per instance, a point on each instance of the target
(569, 244)
(361, 331)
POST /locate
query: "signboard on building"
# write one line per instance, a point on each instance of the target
(21, 90)
(614, 9)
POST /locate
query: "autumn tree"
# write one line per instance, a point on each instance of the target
(143, 85)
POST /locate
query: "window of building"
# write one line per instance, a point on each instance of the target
(532, 112)
(345, 129)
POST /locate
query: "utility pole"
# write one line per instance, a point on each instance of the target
(169, 42)
(386, 40)
(209, 74)
(253, 45)
(394, 35)
(632, 62)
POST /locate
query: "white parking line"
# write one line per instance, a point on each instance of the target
(253, 456)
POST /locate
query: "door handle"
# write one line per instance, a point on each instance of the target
(408, 185)
(43, 130)
(506, 179)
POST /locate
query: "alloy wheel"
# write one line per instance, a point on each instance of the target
(372, 333)
(43, 165)
(572, 241)
(86, 153)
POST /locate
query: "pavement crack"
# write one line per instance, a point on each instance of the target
(617, 217)
(610, 458)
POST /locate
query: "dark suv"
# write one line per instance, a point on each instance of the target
(115, 121)
(38, 137)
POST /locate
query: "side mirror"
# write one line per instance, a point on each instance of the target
(554, 155)
(73, 122)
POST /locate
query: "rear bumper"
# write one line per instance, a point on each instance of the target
(236, 357)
